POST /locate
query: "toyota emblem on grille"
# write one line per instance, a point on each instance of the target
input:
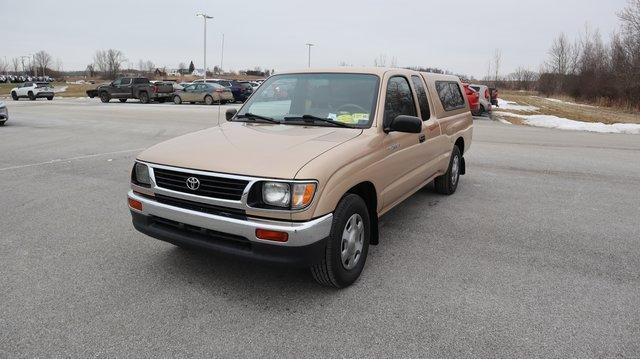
(193, 183)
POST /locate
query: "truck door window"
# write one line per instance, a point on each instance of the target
(422, 97)
(126, 81)
(399, 100)
(450, 95)
(117, 82)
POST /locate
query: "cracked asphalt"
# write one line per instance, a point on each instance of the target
(536, 255)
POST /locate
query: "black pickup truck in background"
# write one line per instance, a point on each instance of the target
(133, 87)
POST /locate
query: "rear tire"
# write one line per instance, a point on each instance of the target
(14, 96)
(192, 102)
(448, 182)
(50, 98)
(177, 100)
(347, 246)
(208, 100)
(2, 123)
(123, 100)
(32, 97)
(104, 97)
(144, 97)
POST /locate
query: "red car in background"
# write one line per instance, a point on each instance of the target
(474, 99)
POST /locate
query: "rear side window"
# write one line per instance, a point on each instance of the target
(399, 100)
(450, 95)
(477, 88)
(422, 96)
(140, 81)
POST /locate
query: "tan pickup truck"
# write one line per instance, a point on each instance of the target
(302, 172)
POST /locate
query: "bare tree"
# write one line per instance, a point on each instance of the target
(497, 61)
(182, 68)
(42, 60)
(91, 72)
(15, 64)
(109, 62)
(4, 66)
(630, 17)
(559, 55)
(380, 61)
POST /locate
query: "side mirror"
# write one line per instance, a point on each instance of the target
(230, 113)
(404, 123)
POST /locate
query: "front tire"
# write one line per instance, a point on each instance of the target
(177, 100)
(50, 98)
(14, 96)
(32, 97)
(144, 97)
(208, 100)
(448, 182)
(347, 246)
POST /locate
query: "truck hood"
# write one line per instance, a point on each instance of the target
(252, 149)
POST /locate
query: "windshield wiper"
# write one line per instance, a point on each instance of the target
(252, 116)
(312, 118)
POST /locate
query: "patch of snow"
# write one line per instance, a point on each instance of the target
(509, 105)
(549, 121)
(567, 102)
(60, 89)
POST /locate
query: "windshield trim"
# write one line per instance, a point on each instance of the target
(374, 105)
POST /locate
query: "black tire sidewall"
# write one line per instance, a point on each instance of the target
(206, 100)
(454, 153)
(349, 205)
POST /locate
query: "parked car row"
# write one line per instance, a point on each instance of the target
(481, 98)
(4, 113)
(24, 78)
(208, 91)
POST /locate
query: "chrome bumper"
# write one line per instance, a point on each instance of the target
(300, 233)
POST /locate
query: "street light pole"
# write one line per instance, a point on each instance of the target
(205, 17)
(222, 53)
(309, 56)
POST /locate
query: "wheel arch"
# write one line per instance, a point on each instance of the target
(367, 191)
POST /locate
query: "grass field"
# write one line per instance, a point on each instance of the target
(565, 108)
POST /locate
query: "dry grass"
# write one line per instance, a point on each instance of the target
(573, 111)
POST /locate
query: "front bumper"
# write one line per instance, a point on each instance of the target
(234, 236)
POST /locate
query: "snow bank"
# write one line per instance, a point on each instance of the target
(568, 103)
(508, 105)
(549, 121)
(60, 89)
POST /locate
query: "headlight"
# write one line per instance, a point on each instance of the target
(288, 195)
(276, 194)
(141, 175)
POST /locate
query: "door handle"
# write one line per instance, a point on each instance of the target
(422, 138)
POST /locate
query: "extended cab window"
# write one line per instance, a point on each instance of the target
(422, 96)
(399, 100)
(450, 95)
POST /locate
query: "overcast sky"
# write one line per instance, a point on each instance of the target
(457, 35)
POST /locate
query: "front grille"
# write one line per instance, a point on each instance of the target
(201, 207)
(210, 186)
(202, 234)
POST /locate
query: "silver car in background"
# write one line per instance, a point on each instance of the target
(485, 97)
(4, 113)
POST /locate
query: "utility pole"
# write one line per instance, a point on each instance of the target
(222, 55)
(309, 56)
(205, 17)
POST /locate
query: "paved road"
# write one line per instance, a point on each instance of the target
(537, 254)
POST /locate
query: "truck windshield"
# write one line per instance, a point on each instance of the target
(341, 97)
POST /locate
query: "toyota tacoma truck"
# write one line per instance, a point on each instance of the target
(303, 178)
(133, 88)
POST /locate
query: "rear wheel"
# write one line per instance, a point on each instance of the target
(123, 100)
(14, 96)
(347, 245)
(104, 97)
(50, 98)
(177, 100)
(144, 97)
(448, 182)
(31, 96)
(2, 123)
(208, 100)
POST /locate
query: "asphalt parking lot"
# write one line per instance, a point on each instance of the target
(536, 255)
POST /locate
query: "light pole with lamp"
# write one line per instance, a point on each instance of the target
(205, 17)
(309, 56)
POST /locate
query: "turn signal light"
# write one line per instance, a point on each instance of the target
(272, 235)
(135, 204)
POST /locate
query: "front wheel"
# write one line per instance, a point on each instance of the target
(208, 100)
(177, 100)
(50, 98)
(104, 97)
(14, 96)
(32, 97)
(448, 182)
(347, 245)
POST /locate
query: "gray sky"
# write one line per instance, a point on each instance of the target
(457, 35)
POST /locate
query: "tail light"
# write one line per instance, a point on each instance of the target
(155, 89)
